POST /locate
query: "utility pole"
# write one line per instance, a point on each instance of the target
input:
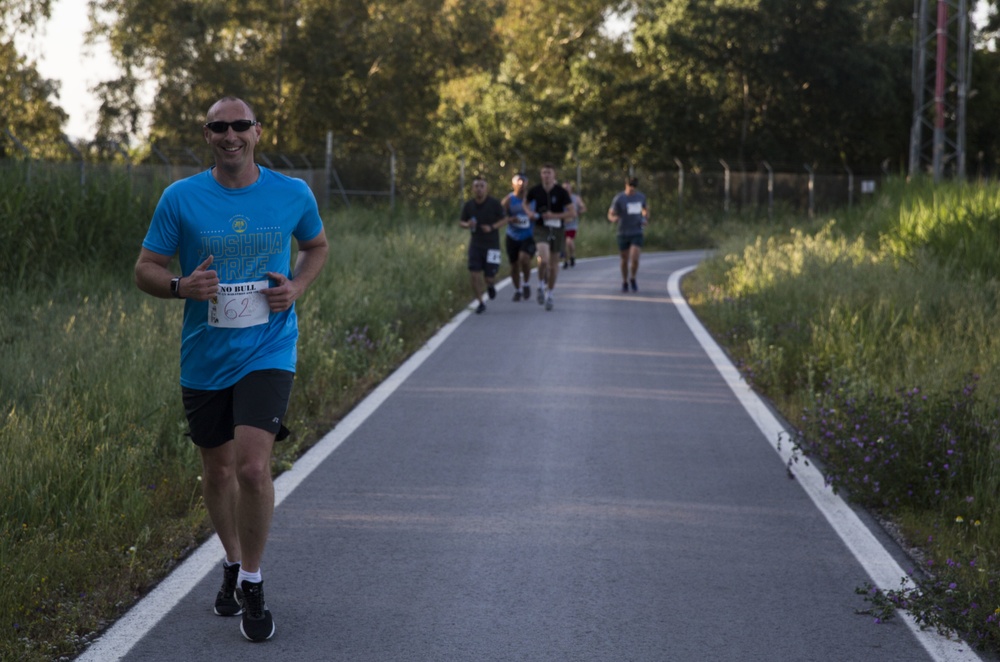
(942, 65)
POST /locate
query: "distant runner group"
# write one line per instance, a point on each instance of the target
(541, 224)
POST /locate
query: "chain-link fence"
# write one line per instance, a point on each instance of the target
(344, 172)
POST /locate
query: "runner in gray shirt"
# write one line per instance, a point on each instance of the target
(630, 211)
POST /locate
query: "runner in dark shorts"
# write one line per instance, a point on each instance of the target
(483, 216)
(259, 400)
(553, 205)
(520, 240)
(630, 211)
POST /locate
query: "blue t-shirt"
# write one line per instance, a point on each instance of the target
(249, 232)
(521, 228)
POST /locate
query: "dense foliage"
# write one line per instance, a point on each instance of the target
(625, 82)
(27, 105)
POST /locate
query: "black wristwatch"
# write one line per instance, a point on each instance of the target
(175, 287)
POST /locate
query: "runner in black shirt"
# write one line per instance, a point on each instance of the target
(555, 205)
(483, 216)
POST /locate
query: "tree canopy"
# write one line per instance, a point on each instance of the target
(26, 98)
(790, 81)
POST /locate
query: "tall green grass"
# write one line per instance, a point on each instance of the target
(875, 333)
(100, 486)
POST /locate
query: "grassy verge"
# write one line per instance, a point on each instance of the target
(100, 487)
(875, 334)
(870, 330)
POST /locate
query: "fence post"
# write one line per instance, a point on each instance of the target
(680, 188)
(24, 149)
(726, 185)
(328, 167)
(579, 173)
(461, 177)
(850, 186)
(115, 145)
(79, 157)
(331, 172)
(194, 157)
(163, 157)
(812, 189)
(392, 176)
(770, 190)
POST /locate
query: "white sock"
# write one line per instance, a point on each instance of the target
(253, 577)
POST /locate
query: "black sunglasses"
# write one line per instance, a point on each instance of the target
(239, 126)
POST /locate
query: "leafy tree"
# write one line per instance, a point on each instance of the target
(982, 131)
(774, 79)
(17, 15)
(358, 67)
(525, 107)
(26, 98)
(506, 81)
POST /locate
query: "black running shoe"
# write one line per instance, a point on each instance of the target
(572, 262)
(624, 287)
(492, 291)
(517, 295)
(229, 601)
(635, 288)
(481, 308)
(257, 623)
(526, 292)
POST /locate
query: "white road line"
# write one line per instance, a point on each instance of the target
(119, 639)
(873, 557)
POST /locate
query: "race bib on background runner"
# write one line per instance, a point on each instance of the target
(239, 305)
(493, 256)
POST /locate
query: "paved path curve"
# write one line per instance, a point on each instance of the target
(591, 483)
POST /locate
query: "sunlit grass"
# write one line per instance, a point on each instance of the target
(876, 336)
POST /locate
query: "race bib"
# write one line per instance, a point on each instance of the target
(239, 305)
(493, 256)
(521, 221)
(633, 208)
(553, 223)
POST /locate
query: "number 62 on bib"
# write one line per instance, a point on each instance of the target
(239, 305)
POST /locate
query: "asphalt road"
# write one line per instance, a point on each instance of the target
(580, 484)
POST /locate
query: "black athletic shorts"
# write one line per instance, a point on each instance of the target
(259, 400)
(628, 240)
(484, 259)
(517, 246)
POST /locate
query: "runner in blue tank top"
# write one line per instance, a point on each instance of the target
(520, 238)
